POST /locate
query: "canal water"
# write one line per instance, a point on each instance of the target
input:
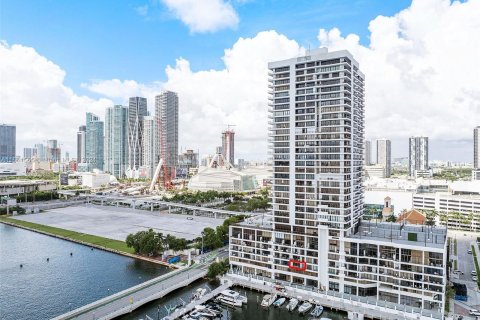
(42, 290)
(251, 311)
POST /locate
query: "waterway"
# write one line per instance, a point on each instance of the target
(42, 290)
(251, 311)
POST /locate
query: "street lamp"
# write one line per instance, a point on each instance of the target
(202, 241)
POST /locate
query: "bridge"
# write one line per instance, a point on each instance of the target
(128, 300)
(159, 205)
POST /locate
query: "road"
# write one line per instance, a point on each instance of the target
(466, 265)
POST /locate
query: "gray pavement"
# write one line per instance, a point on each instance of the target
(466, 265)
(117, 223)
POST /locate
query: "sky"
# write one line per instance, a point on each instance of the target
(60, 59)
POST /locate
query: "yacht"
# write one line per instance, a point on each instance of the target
(230, 298)
(279, 302)
(292, 304)
(317, 311)
(305, 307)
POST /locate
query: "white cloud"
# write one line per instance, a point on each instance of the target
(421, 70)
(212, 99)
(34, 98)
(204, 15)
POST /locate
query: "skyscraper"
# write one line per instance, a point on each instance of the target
(384, 155)
(28, 153)
(315, 238)
(53, 151)
(228, 146)
(94, 148)
(418, 155)
(8, 142)
(149, 146)
(137, 109)
(116, 140)
(476, 148)
(367, 153)
(81, 144)
(40, 152)
(166, 115)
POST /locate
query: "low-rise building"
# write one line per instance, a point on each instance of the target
(18, 187)
(398, 263)
(375, 171)
(13, 169)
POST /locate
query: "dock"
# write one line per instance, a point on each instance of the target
(189, 307)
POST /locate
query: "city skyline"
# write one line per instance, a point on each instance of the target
(195, 76)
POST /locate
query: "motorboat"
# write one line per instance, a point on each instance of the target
(317, 311)
(242, 298)
(205, 311)
(230, 298)
(305, 307)
(279, 302)
(229, 301)
(266, 301)
(292, 304)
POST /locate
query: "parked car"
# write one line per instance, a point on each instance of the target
(189, 218)
(473, 273)
(475, 278)
(469, 251)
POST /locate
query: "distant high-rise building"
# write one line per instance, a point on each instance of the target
(476, 154)
(82, 130)
(94, 148)
(53, 151)
(166, 115)
(40, 152)
(28, 153)
(228, 146)
(8, 142)
(418, 155)
(137, 109)
(149, 146)
(384, 155)
(116, 140)
(476, 148)
(367, 153)
(67, 156)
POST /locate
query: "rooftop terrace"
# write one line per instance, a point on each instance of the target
(424, 236)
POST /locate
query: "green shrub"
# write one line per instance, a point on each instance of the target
(412, 236)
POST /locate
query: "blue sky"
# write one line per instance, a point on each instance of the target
(111, 50)
(110, 39)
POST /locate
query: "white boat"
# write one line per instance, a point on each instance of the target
(229, 301)
(305, 307)
(292, 304)
(242, 298)
(279, 302)
(266, 301)
(230, 298)
(317, 311)
(204, 311)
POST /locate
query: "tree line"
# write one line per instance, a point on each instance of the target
(153, 243)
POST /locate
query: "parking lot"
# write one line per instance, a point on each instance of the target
(118, 223)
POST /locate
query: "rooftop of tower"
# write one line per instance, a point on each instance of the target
(413, 235)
